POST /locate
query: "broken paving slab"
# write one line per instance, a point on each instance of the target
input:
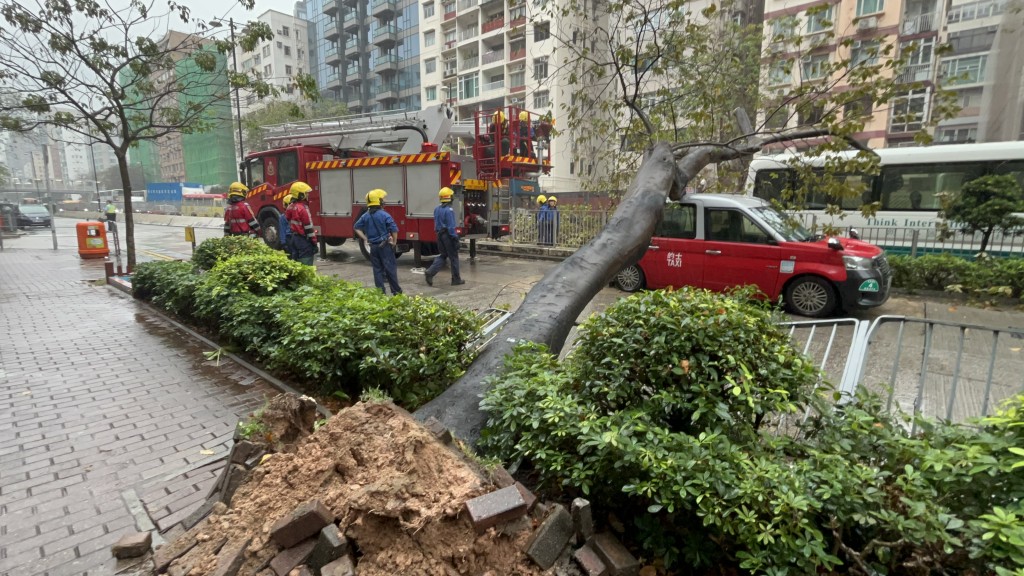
(494, 508)
(551, 538)
(305, 521)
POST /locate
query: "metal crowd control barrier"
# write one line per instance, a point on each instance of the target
(936, 368)
(492, 319)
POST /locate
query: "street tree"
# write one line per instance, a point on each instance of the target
(278, 111)
(985, 205)
(4, 174)
(640, 77)
(118, 77)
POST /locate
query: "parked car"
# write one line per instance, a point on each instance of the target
(719, 241)
(26, 215)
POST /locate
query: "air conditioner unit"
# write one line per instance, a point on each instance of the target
(519, 68)
(869, 23)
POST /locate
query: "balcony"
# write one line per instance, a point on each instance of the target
(517, 22)
(517, 54)
(387, 91)
(352, 49)
(449, 44)
(449, 11)
(515, 89)
(386, 35)
(450, 72)
(915, 73)
(493, 86)
(353, 76)
(331, 33)
(351, 3)
(468, 34)
(333, 81)
(331, 55)
(492, 25)
(465, 5)
(919, 24)
(493, 56)
(471, 62)
(351, 22)
(331, 7)
(383, 8)
(386, 63)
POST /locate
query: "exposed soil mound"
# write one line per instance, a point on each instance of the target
(396, 492)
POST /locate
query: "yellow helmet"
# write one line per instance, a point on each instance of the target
(286, 200)
(541, 199)
(445, 194)
(499, 117)
(237, 189)
(298, 190)
(524, 116)
(375, 196)
(552, 199)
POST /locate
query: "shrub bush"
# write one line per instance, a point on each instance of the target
(660, 413)
(940, 271)
(259, 274)
(170, 285)
(214, 250)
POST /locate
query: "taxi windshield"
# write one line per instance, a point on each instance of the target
(787, 227)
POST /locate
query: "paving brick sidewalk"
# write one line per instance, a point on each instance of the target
(103, 406)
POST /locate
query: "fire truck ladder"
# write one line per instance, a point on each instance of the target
(394, 133)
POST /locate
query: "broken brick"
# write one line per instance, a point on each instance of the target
(528, 496)
(548, 541)
(619, 561)
(438, 430)
(288, 559)
(583, 519)
(494, 508)
(132, 545)
(330, 545)
(305, 521)
(231, 558)
(590, 562)
(341, 567)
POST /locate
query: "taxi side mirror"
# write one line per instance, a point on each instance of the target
(835, 244)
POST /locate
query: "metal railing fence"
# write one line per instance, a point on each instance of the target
(572, 228)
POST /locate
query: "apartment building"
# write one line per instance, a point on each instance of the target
(278, 60)
(858, 29)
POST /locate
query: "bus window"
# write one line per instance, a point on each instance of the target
(256, 172)
(918, 187)
(770, 184)
(1014, 168)
(287, 168)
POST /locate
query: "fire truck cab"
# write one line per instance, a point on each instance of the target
(342, 159)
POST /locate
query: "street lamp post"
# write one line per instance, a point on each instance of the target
(238, 103)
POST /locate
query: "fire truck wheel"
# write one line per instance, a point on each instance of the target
(334, 242)
(364, 249)
(268, 225)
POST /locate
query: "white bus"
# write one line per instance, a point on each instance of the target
(907, 188)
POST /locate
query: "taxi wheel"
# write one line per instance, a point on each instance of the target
(811, 296)
(630, 278)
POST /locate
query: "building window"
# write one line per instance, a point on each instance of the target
(299, 53)
(864, 52)
(268, 71)
(429, 38)
(969, 70)
(541, 99)
(861, 107)
(780, 72)
(958, 135)
(814, 67)
(256, 60)
(428, 9)
(540, 68)
(909, 111)
(541, 31)
(279, 45)
(975, 10)
(430, 66)
(819, 20)
(287, 50)
(285, 31)
(869, 7)
(431, 93)
(266, 50)
(971, 41)
(287, 70)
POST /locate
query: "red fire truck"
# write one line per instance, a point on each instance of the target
(343, 159)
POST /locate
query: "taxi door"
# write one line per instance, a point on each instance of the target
(738, 252)
(674, 256)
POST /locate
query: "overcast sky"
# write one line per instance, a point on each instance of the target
(216, 9)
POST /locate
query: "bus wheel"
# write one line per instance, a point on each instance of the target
(810, 296)
(630, 278)
(271, 237)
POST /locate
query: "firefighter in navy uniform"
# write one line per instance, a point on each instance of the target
(303, 242)
(380, 232)
(447, 238)
(239, 219)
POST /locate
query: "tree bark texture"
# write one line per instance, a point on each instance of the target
(552, 306)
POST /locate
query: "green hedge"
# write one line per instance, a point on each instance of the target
(665, 413)
(326, 333)
(942, 271)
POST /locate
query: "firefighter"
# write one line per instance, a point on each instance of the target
(380, 233)
(447, 238)
(525, 145)
(545, 126)
(499, 133)
(239, 219)
(547, 222)
(284, 230)
(303, 242)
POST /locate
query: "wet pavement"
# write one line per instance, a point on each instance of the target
(102, 402)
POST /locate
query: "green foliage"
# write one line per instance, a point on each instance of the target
(986, 204)
(170, 285)
(280, 111)
(374, 395)
(248, 275)
(215, 250)
(5, 174)
(985, 276)
(660, 413)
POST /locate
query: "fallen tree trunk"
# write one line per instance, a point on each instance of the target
(552, 306)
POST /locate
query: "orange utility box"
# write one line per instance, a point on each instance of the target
(92, 240)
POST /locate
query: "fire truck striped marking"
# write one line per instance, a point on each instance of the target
(378, 161)
(257, 190)
(524, 160)
(456, 175)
